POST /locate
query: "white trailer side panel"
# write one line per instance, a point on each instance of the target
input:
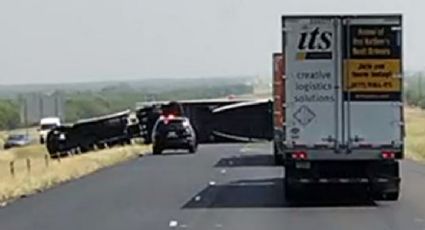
(312, 82)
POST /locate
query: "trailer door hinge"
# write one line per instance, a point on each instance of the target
(357, 139)
(329, 139)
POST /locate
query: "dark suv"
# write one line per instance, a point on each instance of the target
(172, 132)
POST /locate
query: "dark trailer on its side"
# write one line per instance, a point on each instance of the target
(87, 134)
(214, 120)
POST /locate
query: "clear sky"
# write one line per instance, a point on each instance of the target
(91, 40)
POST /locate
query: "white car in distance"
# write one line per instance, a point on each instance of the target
(47, 124)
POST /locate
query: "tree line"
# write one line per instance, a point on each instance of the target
(86, 104)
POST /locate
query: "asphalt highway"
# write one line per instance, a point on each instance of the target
(229, 186)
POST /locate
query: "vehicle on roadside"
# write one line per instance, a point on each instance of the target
(47, 124)
(91, 133)
(150, 113)
(338, 103)
(133, 126)
(17, 140)
(173, 132)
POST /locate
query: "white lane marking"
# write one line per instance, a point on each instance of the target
(173, 224)
(253, 184)
(245, 148)
(212, 183)
(301, 210)
(254, 147)
(219, 226)
(183, 226)
(419, 220)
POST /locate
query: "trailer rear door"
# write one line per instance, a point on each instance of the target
(372, 83)
(313, 96)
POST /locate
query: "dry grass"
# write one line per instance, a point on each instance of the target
(415, 130)
(3, 136)
(46, 172)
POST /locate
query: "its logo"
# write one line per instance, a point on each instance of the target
(315, 44)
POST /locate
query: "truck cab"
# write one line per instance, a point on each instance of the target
(47, 124)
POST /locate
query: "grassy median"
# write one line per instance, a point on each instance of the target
(27, 170)
(415, 130)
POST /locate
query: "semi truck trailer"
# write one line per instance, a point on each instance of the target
(338, 105)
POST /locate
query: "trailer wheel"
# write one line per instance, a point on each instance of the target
(192, 149)
(386, 196)
(147, 139)
(156, 150)
(290, 193)
(391, 196)
(83, 149)
(100, 146)
(278, 158)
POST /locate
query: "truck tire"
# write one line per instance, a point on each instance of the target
(100, 146)
(389, 191)
(293, 190)
(128, 141)
(277, 158)
(392, 196)
(147, 139)
(389, 196)
(192, 149)
(83, 149)
(291, 194)
(156, 150)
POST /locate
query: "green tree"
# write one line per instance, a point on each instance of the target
(9, 114)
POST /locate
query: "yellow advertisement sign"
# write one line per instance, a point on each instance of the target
(372, 75)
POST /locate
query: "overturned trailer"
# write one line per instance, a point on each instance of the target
(87, 134)
(214, 120)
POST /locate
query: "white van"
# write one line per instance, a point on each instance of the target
(47, 124)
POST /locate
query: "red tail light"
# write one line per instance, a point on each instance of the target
(167, 118)
(299, 155)
(388, 155)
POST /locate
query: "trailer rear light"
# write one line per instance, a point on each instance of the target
(388, 155)
(299, 155)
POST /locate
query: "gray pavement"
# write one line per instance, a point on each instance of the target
(230, 186)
